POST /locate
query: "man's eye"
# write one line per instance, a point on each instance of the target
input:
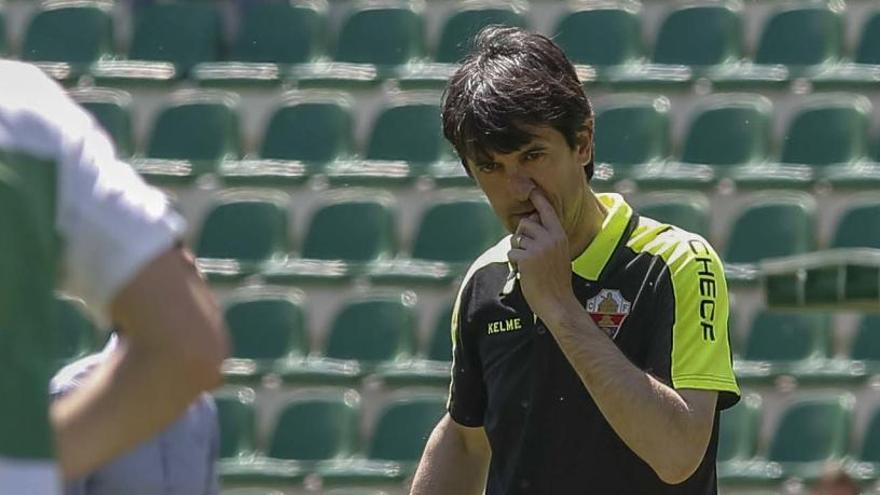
(487, 167)
(532, 156)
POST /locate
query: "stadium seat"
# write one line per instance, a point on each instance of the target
(867, 452)
(632, 130)
(373, 42)
(738, 436)
(687, 211)
(193, 133)
(169, 39)
(272, 36)
(456, 39)
(264, 327)
(785, 344)
(66, 37)
(810, 431)
(311, 429)
(784, 223)
(858, 227)
(731, 133)
(3, 40)
(829, 131)
(865, 72)
(699, 36)
(396, 444)
(433, 369)
(802, 38)
(450, 235)
(303, 135)
(344, 235)
(77, 335)
(235, 411)
(239, 233)
(405, 138)
(865, 345)
(110, 108)
(366, 331)
(602, 37)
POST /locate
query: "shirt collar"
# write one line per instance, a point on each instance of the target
(592, 261)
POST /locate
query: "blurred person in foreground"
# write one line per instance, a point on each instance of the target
(120, 250)
(590, 346)
(180, 460)
(835, 481)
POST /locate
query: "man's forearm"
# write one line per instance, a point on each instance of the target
(649, 416)
(448, 467)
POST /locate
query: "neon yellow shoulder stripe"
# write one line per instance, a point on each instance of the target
(700, 345)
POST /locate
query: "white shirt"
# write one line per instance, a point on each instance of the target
(111, 223)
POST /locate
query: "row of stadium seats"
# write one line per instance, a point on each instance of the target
(360, 230)
(694, 40)
(728, 135)
(376, 335)
(322, 432)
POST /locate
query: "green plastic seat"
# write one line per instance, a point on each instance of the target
(866, 343)
(804, 39)
(239, 234)
(372, 43)
(77, 335)
(301, 138)
(272, 36)
(440, 348)
(858, 227)
(868, 51)
(396, 444)
(235, 413)
(462, 26)
(686, 211)
(263, 329)
(70, 36)
(738, 433)
(367, 332)
(169, 40)
(601, 37)
(343, 237)
(869, 450)
(779, 343)
(405, 138)
(827, 130)
(111, 109)
(784, 224)
(456, 41)
(3, 40)
(699, 36)
(355, 231)
(450, 235)
(191, 136)
(372, 330)
(729, 130)
(631, 131)
(811, 431)
(316, 429)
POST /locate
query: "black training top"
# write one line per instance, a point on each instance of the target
(657, 290)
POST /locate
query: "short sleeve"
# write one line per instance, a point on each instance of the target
(700, 354)
(467, 392)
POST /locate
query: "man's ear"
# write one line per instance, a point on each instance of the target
(585, 142)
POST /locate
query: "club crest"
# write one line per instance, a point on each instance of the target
(608, 310)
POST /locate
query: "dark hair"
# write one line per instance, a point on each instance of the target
(511, 80)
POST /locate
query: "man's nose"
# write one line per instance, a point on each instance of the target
(519, 184)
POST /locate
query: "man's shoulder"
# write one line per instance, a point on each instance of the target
(676, 246)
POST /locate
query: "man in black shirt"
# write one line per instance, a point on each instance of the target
(590, 351)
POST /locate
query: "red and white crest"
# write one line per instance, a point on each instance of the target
(608, 310)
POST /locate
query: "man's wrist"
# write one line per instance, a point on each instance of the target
(567, 316)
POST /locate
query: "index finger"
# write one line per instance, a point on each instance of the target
(549, 218)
